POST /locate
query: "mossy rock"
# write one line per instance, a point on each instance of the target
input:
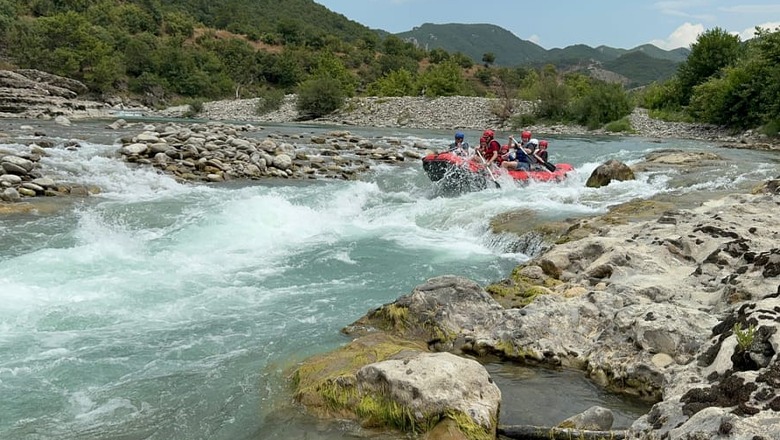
(395, 319)
(636, 210)
(518, 291)
(514, 222)
(325, 384)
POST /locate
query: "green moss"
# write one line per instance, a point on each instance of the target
(471, 429)
(326, 382)
(379, 411)
(519, 290)
(567, 425)
(336, 395)
(509, 350)
(395, 316)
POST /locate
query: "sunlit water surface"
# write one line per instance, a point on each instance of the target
(160, 310)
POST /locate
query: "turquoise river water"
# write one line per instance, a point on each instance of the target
(161, 310)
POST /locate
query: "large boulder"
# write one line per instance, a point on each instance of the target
(386, 382)
(609, 171)
(430, 387)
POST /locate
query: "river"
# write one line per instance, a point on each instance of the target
(162, 310)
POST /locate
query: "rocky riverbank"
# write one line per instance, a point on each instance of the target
(682, 309)
(451, 113)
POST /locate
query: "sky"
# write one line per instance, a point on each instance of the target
(621, 24)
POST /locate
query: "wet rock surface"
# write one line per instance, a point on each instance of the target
(683, 312)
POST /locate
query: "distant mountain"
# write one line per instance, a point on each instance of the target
(675, 55)
(640, 68)
(640, 65)
(476, 40)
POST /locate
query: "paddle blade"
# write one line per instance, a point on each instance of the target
(550, 167)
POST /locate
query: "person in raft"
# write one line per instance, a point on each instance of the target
(492, 151)
(541, 152)
(525, 137)
(481, 150)
(519, 157)
(460, 147)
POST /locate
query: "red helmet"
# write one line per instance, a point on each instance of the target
(488, 134)
(543, 143)
(525, 135)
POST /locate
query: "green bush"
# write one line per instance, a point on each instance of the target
(445, 79)
(662, 96)
(553, 98)
(319, 96)
(195, 107)
(397, 83)
(522, 120)
(270, 100)
(602, 104)
(771, 128)
(623, 125)
(485, 76)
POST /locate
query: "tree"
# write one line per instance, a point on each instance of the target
(445, 79)
(438, 55)
(319, 96)
(602, 103)
(7, 16)
(329, 65)
(488, 58)
(396, 83)
(462, 60)
(713, 50)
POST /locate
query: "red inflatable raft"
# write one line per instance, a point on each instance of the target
(462, 173)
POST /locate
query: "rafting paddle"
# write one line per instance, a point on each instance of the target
(533, 156)
(492, 176)
(550, 167)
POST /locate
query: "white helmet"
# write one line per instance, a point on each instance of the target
(533, 143)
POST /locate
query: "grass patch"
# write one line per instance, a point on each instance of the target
(379, 411)
(519, 290)
(622, 125)
(744, 337)
(471, 429)
(396, 316)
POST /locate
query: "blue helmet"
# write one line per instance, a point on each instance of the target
(459, 135)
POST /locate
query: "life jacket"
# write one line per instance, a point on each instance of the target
(494, 146)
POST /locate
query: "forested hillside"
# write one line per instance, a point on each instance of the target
(169, 48)
(173, 51)
(475, 40)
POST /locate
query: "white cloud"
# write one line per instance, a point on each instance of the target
(683, 36)
(751, 9)
(680, 8)
(534, 39)
(751, 32)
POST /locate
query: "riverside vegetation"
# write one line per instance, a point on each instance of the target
(157, 53)
(662, 308)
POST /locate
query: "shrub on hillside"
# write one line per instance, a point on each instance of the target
(396, 83)
(603, 103)
(445, 79)
(319, 96)
(270, 100)
(622, 125)
(519, 122)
